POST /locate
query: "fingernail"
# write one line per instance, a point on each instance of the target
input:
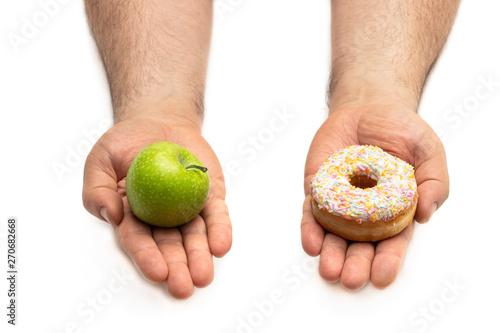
(433, 209)
(431, 212)
(104, 213)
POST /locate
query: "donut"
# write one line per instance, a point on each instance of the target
(362, 193)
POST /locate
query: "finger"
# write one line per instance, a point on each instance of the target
(357, 266)
(432, 193)
(179, 283)
(200, 262)
(327, 140)
(431, 173)
(389, 254)
(135, 238)
(216, 216)
(100, 196)
(331, 260)
(312, 234)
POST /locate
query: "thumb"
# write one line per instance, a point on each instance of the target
(432, 178)
(100, 196)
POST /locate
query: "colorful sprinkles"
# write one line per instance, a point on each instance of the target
(395, 190)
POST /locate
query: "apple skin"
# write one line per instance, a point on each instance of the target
(161, 191)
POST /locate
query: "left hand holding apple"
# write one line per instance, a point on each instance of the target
(182, 256)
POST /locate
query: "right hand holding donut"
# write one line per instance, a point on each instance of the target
(401, 132)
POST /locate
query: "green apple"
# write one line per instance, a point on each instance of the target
(167, 186)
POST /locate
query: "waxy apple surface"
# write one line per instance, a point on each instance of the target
(166, 185)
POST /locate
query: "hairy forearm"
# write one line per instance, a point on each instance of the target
(383, 50)
(155, 54)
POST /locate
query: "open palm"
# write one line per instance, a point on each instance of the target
(181, 257)
(402, 133)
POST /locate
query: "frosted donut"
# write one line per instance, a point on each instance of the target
(362, 193)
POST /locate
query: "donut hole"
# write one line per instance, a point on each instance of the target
(362, 181)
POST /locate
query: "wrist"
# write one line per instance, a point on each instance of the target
(358, 89)
(179, 110)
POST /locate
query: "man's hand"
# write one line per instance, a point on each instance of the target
(155, 54)
(181, 257)
(382, 52)
(402, 133)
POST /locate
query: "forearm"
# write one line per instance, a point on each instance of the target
(383, 50)
(155, 53)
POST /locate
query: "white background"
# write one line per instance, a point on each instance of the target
(265, 55)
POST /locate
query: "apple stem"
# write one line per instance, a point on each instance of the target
(203, 169)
